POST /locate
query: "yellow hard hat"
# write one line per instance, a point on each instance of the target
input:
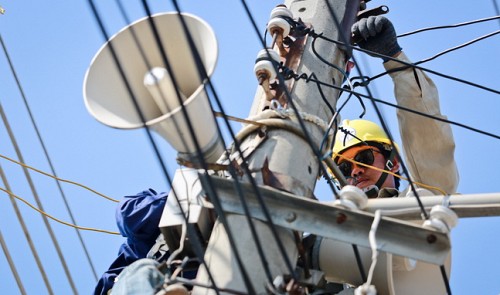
(355, 132)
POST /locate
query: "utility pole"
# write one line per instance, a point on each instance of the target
(282, 158)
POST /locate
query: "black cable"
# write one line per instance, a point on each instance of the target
(332, 109)
(39, 203)
(193, 232)
(293, 106)
(445, 279)
(495, 6)
(203, 77)
(289, 74)
(199, 153)
(145, 59)
(334, 121)
(457, 47)
(359, 262)
(407, 65)
(265, 210)
(141, 116)
(412, 111)
(289, 97)
(436, 118)
(313, 47)
(49, 159)
(382, 121)
(12, 265)
(452, 26)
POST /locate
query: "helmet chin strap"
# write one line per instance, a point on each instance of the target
(372, 190)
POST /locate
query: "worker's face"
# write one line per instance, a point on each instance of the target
(362, 176)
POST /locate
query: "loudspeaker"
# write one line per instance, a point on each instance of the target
(109, 99)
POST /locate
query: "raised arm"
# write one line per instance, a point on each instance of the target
(428, 144)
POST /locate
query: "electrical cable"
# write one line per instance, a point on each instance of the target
(413, 111)
(436, 118)
(45, 214)
(57, 178)
(147, 63)
(204, 76)
(194, 237)
(495, 7)
(451, 26)
(281, 81)
(38, 201)
(359, 262)
(445, 279)
(379, 114)
(254, 185)
(191, 231)
(27, 234)
(166, 63)
(408, 65)
(49, 160)
(458, 47)
(290, 100)
(12, 265)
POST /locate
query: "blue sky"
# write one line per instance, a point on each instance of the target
(51, 44)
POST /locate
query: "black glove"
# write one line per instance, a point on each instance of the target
(377, 34)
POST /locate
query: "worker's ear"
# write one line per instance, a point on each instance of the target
(396, 165)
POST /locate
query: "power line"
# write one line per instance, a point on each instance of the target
(458, 47)
(49, 160)
(38, 201)
(27, 234)
(359, 94)
(495, 6)
(453, 26)
(407, 65)
(54, 218)
(12, 266)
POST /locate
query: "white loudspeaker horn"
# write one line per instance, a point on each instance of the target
(393, 275)
(109, 100)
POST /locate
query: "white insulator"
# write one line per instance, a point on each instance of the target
(345, 204)
(281, 11)
(365, 290)
(264, 64)
(442, 219)
(354, 195)
(279, 23)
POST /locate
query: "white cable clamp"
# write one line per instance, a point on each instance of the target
(365, 290)
(442, 219)
(275, 105)
(352, 197)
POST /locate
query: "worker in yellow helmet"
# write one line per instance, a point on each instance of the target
(428, 143)
(367, 143)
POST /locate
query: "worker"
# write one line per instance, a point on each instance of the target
(428, 143)
(137, 218)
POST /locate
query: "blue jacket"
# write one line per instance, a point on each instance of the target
(137, 218)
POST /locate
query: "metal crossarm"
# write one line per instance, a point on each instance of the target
(297, 213)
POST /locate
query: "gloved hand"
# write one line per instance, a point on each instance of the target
(377, 34)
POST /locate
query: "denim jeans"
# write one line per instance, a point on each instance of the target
(140, 277)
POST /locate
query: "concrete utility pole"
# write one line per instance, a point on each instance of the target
(284, 155)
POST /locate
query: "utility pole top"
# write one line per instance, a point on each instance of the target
(283, 155)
